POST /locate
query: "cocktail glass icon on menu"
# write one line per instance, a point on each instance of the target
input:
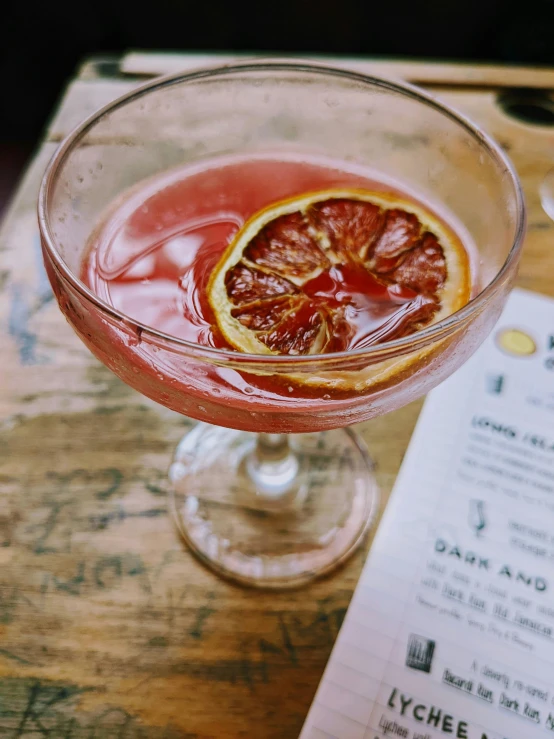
(477, 518)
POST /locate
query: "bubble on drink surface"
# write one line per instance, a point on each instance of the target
(141, 268)
(182, 250)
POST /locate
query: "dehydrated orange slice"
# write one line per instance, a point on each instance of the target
(335, 270)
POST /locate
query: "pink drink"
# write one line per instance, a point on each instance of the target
(151, 259)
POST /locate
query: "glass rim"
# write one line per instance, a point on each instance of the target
(379, 352)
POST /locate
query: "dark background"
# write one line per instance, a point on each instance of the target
(43, 43)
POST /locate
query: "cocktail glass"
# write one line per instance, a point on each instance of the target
(271, 489)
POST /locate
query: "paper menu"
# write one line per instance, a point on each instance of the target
(450, 632)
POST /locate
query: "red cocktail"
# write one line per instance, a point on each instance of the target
(154, 254)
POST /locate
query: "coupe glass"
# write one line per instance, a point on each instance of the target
(270, 488)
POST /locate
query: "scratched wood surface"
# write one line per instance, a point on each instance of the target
(108, 627)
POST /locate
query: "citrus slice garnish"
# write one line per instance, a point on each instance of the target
(336, 270)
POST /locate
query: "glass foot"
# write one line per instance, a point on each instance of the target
(272, 510)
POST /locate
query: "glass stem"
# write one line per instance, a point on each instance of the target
(273, 466)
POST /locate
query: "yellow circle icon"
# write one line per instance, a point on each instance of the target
(516, 342)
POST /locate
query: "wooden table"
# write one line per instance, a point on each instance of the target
(108, 627)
